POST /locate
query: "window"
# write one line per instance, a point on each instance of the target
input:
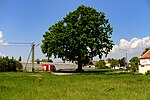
(142, 65)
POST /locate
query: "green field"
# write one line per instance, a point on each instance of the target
(45, 86)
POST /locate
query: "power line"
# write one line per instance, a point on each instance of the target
(33, 45)
(18, 43)
(14, 44)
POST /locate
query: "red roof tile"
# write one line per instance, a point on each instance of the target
(146, 55)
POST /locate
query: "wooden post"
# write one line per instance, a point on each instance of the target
(28, 59)
(33, 46)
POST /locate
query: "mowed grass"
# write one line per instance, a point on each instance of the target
(45, 86)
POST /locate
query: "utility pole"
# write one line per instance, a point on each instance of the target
(126, 56)
(33, 46)
(126, 60)
(28, 59)
(32, 51)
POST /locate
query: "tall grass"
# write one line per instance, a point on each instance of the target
(45, 86)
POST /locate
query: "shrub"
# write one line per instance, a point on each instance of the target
(7, 64)
(18, 65)
(133, 67)
(147, 73)
(101, 64)
(38, 61)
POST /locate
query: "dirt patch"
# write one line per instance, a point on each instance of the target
(55, 73)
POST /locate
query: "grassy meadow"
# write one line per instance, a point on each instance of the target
(86, 86)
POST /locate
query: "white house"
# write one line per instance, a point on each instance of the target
(107, 64)
(144, 62)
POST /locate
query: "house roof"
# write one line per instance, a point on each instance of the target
(146, 55)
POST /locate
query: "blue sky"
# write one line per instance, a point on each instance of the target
(27, 20)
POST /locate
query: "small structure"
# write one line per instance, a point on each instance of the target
(107, 64)
(92, 64)
(144, 62)
(48, 67)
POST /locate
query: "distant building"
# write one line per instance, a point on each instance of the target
(144, 62)
(107, 64)
(92, 64)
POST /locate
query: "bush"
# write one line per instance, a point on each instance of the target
(147, 73)
(18, 65)
(38, 61)
(133, 67)
(101, 64)
(8, 65)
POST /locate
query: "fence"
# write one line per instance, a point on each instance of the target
(57, 65)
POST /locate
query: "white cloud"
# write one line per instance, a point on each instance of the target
(1, 35)
(134, 47)
(124, 43)
(1, 39)
(2, 43)
(114, 49)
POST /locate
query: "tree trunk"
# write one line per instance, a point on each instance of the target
(79, 69)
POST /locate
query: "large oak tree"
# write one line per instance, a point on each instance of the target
(80, 36)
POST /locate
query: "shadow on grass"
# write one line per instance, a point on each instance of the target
(93, 71)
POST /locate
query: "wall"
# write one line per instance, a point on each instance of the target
(57, 65)
(144, 61)
(144, 69)
(144, 65)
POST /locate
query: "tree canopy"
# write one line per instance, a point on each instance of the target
(101, 64)
(20, 59)
(80, 36)
(122, 62)
(114, 62)
(135, 60)
(134, 63)
(146, 49)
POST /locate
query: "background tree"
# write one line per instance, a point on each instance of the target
(146, 49)
(136, 60)
(38, 61)
(113, 62)
(101, 64)
(81, 35)
(134, 63)
(2, 64)
(20, 59)
(109, 60)
(122, 62)
(46, 60)
(7, 64)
